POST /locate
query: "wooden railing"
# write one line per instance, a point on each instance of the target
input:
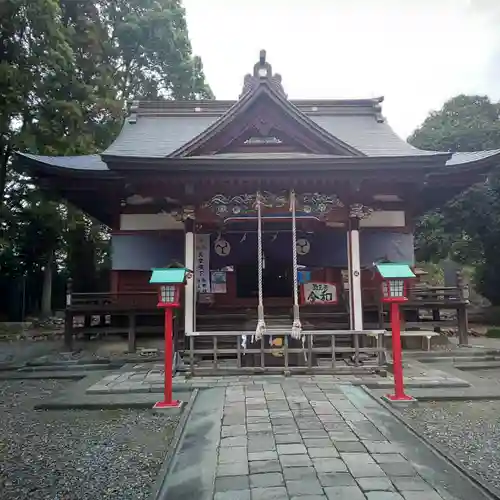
(256, 353)
(111, 301)
(437, 294)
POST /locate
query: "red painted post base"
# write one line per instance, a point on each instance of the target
(401, 401)
(403, 397)
(164, 404)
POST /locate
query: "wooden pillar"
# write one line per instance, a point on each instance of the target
(436, 318)
(190, 290)
(355, 297)
(132, 332)
(68, 317)
(354, 267)
(462, 314)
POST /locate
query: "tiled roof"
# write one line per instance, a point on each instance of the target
(371, 136)
(471, 157)
(159, 136)
(157, 131)
(81, 163)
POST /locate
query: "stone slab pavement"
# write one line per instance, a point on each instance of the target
(296, 440)
(143, 378)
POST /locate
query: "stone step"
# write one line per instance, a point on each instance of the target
(70, 367)
(478, 365)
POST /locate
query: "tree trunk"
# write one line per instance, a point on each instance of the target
(47, 287)
(4, 161)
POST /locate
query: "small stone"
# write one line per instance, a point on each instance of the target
(350, 446)
(388, 458)
(398, 469)
(233, 430)
(292, 473)
(266, 480)
(411, 484)
(329, 465)
(380, 446)
(262, 455)
(375, 484)
(259, 427)
(304, 486)
(365, 470)
(323, 452)
(233, 495)
(344, 493)
(318, 442)
(295, 460)
(234, 454)
(336, 479)
(233, 441)
(420, 495)
(264, 466)
(277, 493)
(291, 449)
(231, 483)
(232, 469)
(288, 438)
(383, 495)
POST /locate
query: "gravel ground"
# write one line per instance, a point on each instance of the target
(74, 454)
(468, 430)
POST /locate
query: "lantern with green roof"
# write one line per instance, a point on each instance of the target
(394, 278)
(170, 282)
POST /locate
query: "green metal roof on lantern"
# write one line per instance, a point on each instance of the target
(394, 270)
(169, 275)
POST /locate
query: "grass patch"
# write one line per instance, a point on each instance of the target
(493, 333)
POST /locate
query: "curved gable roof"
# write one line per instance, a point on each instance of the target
(265, 88)
(162, 129)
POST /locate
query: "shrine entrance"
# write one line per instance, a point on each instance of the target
(277, 280)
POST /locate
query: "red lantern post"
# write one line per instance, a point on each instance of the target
(394, 291)
(170, 283)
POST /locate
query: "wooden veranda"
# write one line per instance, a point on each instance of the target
(217, 345)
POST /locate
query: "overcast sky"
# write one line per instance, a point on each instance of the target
(416, 53)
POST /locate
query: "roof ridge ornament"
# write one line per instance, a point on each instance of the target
(262, 72)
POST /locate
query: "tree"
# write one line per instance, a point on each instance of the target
(150, 51)
(67, 70)
(33, 46)
(468, 227)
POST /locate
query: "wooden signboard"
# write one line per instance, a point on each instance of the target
(319, 293)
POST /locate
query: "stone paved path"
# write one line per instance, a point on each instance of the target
(146, 377)
(305, 441)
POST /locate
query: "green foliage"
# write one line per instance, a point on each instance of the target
(435, 274)
(467, 229)
(493, 333)
(67, 70)
(464, 123)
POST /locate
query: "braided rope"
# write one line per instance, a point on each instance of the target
(261, 324)
(296, 325)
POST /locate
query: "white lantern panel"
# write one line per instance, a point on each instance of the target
(168, 294)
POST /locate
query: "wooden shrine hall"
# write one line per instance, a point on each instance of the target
(280, 207)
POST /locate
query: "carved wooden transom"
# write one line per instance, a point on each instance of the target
(315, 204)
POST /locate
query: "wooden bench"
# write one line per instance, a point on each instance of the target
(425, 334)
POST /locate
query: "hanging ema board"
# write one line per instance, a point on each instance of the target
(319, 293)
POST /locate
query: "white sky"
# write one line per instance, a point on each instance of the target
(416, 53)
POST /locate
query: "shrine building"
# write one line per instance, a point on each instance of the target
(321, 189)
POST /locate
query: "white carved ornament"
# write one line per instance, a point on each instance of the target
(303, 246)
